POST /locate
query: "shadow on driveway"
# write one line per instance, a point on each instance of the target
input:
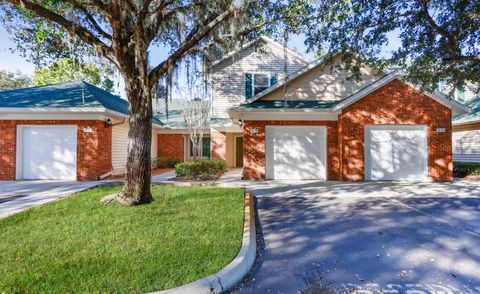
(371, 237)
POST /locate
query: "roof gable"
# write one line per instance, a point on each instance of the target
(437, 96)
(70, 95)
(265, 40)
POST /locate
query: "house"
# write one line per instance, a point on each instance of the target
(466, 127)
(70, 131)
(313, 122)
(331, 127)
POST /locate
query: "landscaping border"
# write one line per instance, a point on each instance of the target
(231, 275)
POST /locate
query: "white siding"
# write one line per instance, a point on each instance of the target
(228, 80)
(119, 147)
(466, 146)
(325, 82)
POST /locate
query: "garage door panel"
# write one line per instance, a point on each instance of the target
(295, 152)
(49, 152)
(396, 153)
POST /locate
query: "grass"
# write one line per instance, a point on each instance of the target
(77, 245)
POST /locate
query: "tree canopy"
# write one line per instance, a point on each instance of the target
(68, 69)
(439, 39)
(10, 80)
(124, 32)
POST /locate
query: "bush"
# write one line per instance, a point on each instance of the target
(463, 169)
(201, 167)
(161, 162)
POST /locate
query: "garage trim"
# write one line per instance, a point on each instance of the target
(269, 149)
(19, 146)
(368, 158)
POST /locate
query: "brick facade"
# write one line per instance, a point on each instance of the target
(170, 146)
(219, 144)
(254, 147)
(94, 150)
(394, 103)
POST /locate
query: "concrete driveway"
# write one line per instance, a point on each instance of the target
(368, 237)
(16, 196)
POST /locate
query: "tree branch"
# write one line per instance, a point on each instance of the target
(68, 25)
(193, 38)
(463, 58)
(451, 40)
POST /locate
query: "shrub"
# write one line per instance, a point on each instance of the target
(174, 162)
(159, 162)
(201, 167)
(462, 169)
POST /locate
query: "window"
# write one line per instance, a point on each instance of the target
(205, 147)
(256, 83)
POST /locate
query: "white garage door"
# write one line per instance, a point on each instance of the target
(49, 152)
(296, 152)
(396, 152)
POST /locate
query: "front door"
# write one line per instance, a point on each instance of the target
(238, 151)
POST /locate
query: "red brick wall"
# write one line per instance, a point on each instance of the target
(254, 147)
(396, 103)
(219, 144)
(94, 150)
(170, 146)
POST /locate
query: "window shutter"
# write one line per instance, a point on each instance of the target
(248, 85)
(273, 79)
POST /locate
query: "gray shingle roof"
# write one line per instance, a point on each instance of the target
(279, 104)
(65, 95)
(474, 115)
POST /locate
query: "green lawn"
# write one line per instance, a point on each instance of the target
(77, 245)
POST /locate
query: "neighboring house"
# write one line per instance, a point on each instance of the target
(259, 65)
(466, 129)
(70, 131)
(322, 125)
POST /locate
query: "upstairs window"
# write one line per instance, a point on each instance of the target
(256, 83)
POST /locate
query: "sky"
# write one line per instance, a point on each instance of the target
(13, 62)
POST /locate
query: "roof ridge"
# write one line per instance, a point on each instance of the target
(42, 86)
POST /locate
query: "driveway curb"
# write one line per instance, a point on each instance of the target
(231, 275)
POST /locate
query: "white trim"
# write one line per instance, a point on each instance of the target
(235, 137)
(52, 109)
(366, 149)
(249, 44)
(456, 107)
(269, 156)
(70, 113)
(20, 143)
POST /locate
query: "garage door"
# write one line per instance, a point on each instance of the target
(295, 152)
(396, 152)
(49, 152)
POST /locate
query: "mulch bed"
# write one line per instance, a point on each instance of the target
(212, 177)
(471, 177)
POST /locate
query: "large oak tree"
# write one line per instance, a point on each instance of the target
(438, 40)
(123, 32)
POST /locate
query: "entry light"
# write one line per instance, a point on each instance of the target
(108, 122)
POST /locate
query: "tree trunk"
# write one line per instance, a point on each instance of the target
(136, 188)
